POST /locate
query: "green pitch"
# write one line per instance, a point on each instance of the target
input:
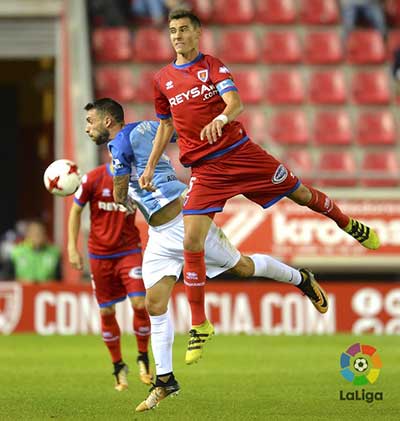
(240, 378)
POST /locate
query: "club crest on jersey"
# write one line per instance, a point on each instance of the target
(203, 75)
(280, 175)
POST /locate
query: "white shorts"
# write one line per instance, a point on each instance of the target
(164, 252)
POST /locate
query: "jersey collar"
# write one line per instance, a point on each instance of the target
(184, 66)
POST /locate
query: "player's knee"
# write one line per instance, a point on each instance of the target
(301, 196)
(155, 307)
(244, 267)
(138, 303)
(105, 311)
(193, 244)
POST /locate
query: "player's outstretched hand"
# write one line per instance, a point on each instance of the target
(146, 180)
(75, 259)
(212, 131)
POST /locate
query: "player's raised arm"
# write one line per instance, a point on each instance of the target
(74, 224)
(163, 136)
(233, 108)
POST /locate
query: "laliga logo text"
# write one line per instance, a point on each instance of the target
(360, 364)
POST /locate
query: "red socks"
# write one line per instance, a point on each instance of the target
(321, 203)
(111, 336)
(195, 279)
(141, 327)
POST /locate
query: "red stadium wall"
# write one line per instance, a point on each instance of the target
(252, 308)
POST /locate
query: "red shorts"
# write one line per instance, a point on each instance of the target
(114, 279)
(247, 170)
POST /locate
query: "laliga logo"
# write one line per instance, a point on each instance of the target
(360, 364)
(10, 307)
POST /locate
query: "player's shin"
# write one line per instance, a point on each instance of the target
(195, 279)
(323, 204)
(162, 339)
(111, 336)
(267, 267)
(141, 327)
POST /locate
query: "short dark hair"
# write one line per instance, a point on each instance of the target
(109, 106)
(184, 13)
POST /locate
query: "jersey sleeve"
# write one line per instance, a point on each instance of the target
(122, 155)
(84, 192)
(161, 102)
(221, 76)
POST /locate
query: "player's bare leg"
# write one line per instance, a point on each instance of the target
(111, 337)
(141, 327)
(196, 230)
(321, 203)
(162, 338)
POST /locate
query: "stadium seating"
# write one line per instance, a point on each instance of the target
(250, 86)
(130, 114)
(284, 87)
(144, 90)
(336, 169)
(307, 67)
(276, 11)
(253, 120)
(151, 45)
(365, 47)
(371, 87)
(323, 47)
(203, 9)
(332, 128)
(300, 162)
(238, 47)
(115, 82)
(380, 169)
(393, 43)
(207, 42)
(376, 128)
(233, 12)
(111, 44)
(319, 12)
(281, 47)
(327, 87)
(289, 127)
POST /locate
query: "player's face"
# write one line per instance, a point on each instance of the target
(95, 127)
(184, 36)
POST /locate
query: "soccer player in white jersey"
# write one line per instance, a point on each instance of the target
(130, 146)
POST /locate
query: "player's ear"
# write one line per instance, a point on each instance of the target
(108, 121)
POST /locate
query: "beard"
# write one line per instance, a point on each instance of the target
(102, 137)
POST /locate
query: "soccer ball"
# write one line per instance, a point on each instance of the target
(360, 364)
(62, 177)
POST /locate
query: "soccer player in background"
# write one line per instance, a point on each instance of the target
(130, 147)
(115, 262)
(197, 96)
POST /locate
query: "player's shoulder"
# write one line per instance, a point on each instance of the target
(210, 59)
(95, 174)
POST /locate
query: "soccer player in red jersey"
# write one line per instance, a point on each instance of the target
(115, 261)
(197, 95)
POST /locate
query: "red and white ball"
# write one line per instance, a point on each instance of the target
(62, 177)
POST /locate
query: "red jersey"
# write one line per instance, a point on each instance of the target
(112, 232)
(191, 94)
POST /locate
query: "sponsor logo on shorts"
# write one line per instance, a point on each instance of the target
(135, 273)
(280, 175)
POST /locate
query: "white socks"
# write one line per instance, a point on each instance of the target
(267, 267)
(162, 338)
